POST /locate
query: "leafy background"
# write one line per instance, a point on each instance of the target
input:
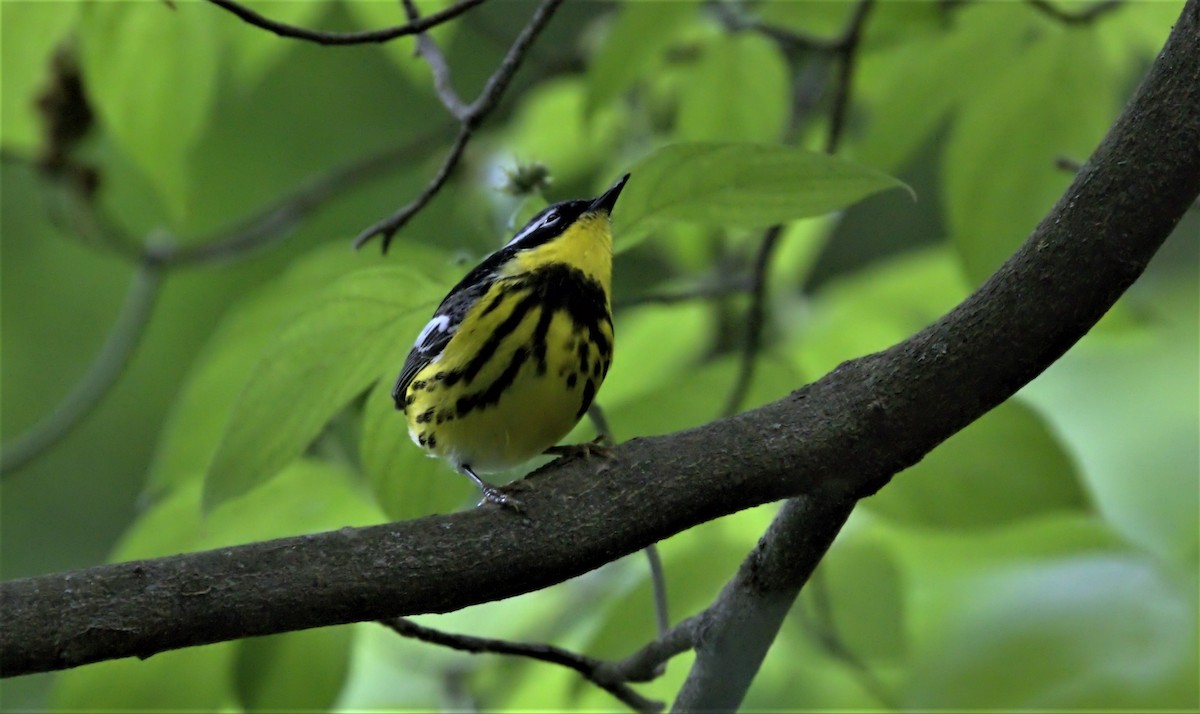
(1044, 558)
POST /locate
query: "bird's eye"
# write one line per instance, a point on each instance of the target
(551, 217)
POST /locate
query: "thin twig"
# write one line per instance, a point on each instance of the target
(824, 630)
(846, 49)
(647, 663)
(1082, 17)
(847, 53)
(346, 38)
(428, 50)
(273, 223)
(475, 113)
(716, 289)
(658, 578)
(388, 226)
(791, 42)
(590, 668)
(103, 373)
(755, 317)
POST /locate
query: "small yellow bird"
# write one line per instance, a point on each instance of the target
(517, 350)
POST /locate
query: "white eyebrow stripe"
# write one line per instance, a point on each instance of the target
(549, 217)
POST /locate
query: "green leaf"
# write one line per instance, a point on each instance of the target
(1125, 405)
(640, 35)
(307, 497)
(643, 360)
(1004, 467)
(192, 679)
(379, 15)
(254, 52)
(1084, 633)
(696, 395)
(29, 33)
(293, 671)
(151, 72)
(549, 127)
(357, 327)
(869, 622)
(723, 101)
(742, 185)
(199, 416)
(999, 182)
(875, 308)
(909, 91)
(407, 483)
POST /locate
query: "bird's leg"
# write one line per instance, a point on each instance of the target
(491, 494)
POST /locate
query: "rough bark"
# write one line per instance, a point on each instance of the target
(841, 437)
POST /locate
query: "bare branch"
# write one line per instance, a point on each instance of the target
(741, 625)
(838, 439)
(589, 668)
(719, 287)
(847, 52)
(1082, 17)
(428, 50)
(756, 316)
(123, 339)
(346, 38)
(272, 224)
(474, 115)
(388, 226)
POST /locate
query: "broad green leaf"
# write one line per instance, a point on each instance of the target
(151, 73)
(724, 101)
(293, 671)
(642, 359)
(1005, 466)
(697, 395)
(1000, 182)
(1125, 405)
(1084, 633)
(406, 482)
(876, 308)
(29, 32)
(549, 127)
(199, 416)
(640, 35)
(255, 52)
(941, 573)
(307, 497)
(402, 51)
(744, 185)
(909, 91)
(191, 679)
(358, 326)
(869, 622)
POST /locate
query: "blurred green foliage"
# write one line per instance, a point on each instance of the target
(1044, 558)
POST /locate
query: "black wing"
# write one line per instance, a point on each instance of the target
(444, 323)
(547, 224)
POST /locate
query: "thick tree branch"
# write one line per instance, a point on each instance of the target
(842, 437)
(741, 625)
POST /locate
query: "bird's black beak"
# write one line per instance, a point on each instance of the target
(609, 198)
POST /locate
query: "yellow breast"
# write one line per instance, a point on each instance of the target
(526, 361)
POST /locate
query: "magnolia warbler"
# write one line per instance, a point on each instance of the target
(517, 350)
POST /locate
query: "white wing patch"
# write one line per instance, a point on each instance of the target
(433, 329)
